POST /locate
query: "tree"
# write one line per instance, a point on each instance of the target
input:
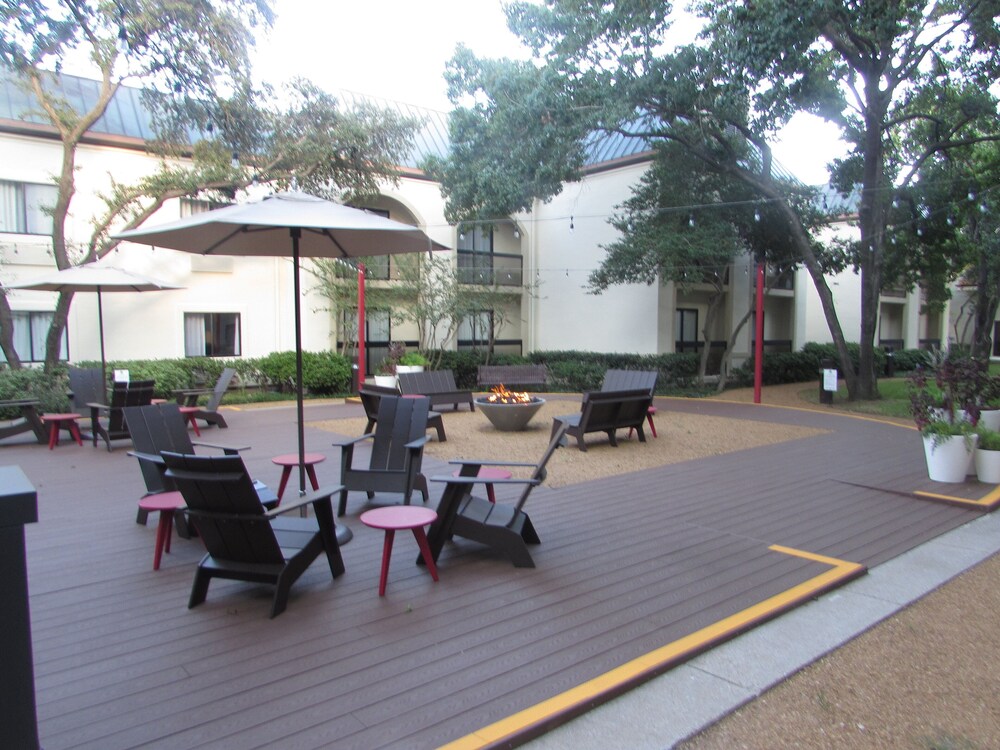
(190, 57)
(662, 241)
(904, 80)
(425, 290)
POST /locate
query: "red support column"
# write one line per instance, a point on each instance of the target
(758, 353)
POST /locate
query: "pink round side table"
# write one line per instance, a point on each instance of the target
(166, 503)
(396, 517)
(66, 421)
(488, 472)
(288, 461)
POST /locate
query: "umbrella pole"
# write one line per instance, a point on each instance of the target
(296, 234)
(362, 369)
(100, 329)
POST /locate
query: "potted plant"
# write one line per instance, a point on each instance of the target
(385, 373)
(411, 362)
(988, 455)
(945, 410)
(989, 416)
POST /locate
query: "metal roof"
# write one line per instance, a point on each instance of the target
(128, 116)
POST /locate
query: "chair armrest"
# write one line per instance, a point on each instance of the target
(323, 493)
(192, 391)
(354, 441)
(418, 443)
(460, 462)
(153, 458)
(229, 450)
(484, 480)
(95, 406)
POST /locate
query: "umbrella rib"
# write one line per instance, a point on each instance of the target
(211, 248)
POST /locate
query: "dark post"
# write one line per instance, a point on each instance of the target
(827, 381)
(18, 506)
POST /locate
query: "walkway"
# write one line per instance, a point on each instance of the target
(629, 566)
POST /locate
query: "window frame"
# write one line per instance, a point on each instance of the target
(214, 323)
(25, 221)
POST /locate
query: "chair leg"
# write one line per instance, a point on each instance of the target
(199, 590)
(342, 505)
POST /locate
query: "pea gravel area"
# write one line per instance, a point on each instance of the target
(926, 678)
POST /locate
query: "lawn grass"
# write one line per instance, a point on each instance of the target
(894, 399)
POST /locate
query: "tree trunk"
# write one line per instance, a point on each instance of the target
(714, 302)
(7, 334)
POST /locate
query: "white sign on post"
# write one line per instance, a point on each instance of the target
(830, 380)
(121, 376)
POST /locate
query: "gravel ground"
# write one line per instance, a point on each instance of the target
(925, 678)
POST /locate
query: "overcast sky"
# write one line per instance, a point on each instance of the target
(397, 49)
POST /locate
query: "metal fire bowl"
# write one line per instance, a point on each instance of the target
(510, 417)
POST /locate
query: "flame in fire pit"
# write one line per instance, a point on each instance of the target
(500, 395)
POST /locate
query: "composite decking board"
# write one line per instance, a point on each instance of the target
(636, 558)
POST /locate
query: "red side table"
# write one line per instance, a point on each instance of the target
(58, 422)
(289, 461)
(188, 413)
(488, 472)
(166, 503)
(393, 518)
(649, 418)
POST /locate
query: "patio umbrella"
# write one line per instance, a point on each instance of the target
(288, 224)
(91, 277)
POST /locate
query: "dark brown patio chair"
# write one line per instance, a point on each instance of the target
(210, 411)
(397, 450)
(505, 528)
(113, 427)
(371, 395)
(161, 427)
(244, 541)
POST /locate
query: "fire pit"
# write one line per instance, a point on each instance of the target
(508, 411)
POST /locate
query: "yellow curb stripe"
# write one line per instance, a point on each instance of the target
(807, 409)
(841, 571)
(987, 502)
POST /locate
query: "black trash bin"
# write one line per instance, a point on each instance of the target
(827, 381)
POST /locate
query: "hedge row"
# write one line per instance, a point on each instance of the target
(797, 367)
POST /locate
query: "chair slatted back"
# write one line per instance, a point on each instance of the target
(224, 507)
(125, 393)
(221, 385)
(156, 428)
(630, 380)
(87, 387)
(400, 421)
(540, 472)
(604, 410)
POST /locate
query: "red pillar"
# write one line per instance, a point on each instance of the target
(758, 350)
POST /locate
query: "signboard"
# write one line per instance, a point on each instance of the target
(830, 380)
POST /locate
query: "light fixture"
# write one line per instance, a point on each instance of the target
(571, 227)
(690, 220)
(235, 160)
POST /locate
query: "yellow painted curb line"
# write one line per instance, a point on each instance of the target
(987, 502)
(658, 660)
(807, 409)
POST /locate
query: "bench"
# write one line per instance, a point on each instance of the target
(438, 385)
(508, 375)
(607, 411)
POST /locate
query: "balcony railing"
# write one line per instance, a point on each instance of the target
(489, 269)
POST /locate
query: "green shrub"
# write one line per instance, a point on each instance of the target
(326, 373)
(51, 390)
(276, 370)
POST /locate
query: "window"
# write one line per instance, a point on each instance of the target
(192, 206)
(25, 207)
(685, 330)
(474, 330)
(212, 335)
(30, 330)
(475, 255)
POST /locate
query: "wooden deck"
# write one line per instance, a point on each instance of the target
(627, 566)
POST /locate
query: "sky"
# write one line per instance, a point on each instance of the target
(397, 49)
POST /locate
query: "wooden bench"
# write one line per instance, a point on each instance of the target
(510, 375)
(607, 411)
(438, 385)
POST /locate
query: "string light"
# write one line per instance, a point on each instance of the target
(571, 224)
(690, 220)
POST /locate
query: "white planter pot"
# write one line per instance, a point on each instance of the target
(385, 381)
(988, 466)
(409, 368)
(950, 459)
(990, 418)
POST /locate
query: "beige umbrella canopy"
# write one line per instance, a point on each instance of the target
(288, 224)
(91, 277)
